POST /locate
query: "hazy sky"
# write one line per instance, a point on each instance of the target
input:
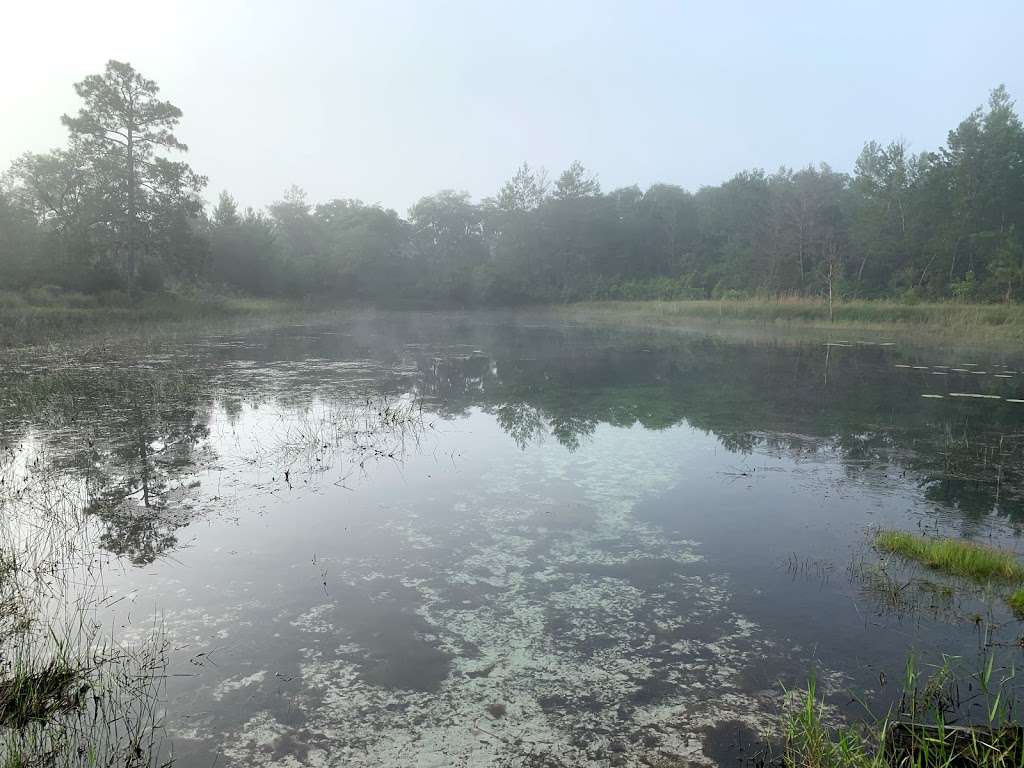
(388, 101)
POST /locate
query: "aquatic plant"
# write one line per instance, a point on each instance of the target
(918, 732)
(953, 556)
(68, 696)
(1016, 601)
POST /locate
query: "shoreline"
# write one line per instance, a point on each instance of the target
(54, 320)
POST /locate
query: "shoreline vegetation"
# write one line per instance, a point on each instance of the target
(46, 318)
(983, 324)
(119, 210)
(52, 317)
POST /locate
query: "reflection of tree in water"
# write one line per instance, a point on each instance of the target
(152, 426)
(130, 434)
(974, 471)
(135, 433)
(769, 397)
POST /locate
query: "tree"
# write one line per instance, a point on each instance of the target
(575, 182)
(983, 163)
(525, 191)
(119, 131)
(884, 184)
(449, 244)
(226, 212)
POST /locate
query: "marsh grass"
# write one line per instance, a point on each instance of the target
(69, 696)
(1016, 602)
(918, 731)
(29, 695)
(953, 556)
(986, 323)
(352, 433)
(72, 703)
(60, 318)
(903, 596)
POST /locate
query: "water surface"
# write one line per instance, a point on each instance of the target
(415, 539)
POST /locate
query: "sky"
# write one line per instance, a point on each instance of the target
(390, 101)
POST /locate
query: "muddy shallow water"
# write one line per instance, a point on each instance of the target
(414, 539)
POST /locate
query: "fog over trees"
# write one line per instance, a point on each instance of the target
(118, 209)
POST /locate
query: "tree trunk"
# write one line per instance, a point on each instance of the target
(831, 314)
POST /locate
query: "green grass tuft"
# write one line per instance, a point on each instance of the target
(38, 694)
(953, 556)
(1016, 601)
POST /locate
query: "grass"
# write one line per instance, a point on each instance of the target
(953, 556)
(918, 732)
(1016, 602)
(29, 694)
(57, 318)
(68, 696)
(983, 323)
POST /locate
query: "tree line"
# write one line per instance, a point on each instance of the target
(116, 209)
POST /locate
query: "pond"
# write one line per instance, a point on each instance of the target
(489, 539)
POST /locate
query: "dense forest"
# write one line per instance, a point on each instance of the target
(117, 212)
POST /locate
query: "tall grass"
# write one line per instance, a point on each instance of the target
(984, 322)
(61, 317)
(68, 696)
(918, 731)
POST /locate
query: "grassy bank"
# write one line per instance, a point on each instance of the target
(52, 318)
(941, 321)
(40, 317)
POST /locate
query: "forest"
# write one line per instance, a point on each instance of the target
(117, 212)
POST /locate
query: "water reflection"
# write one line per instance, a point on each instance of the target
(131, 427)
(590, 537)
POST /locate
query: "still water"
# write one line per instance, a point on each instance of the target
(433, 540)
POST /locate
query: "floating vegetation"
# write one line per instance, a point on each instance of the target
(953, 556)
